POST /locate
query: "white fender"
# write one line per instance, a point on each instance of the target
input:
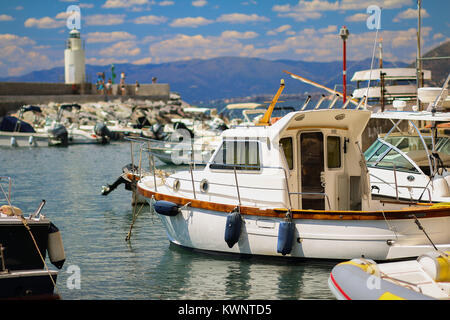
(55, 247)
(441, 187)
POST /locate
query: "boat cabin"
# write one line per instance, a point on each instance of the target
(305, 160)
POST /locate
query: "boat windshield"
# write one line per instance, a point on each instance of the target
(383, 156)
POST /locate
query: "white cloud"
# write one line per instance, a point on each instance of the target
(190, 22)
(166, 3)
(357, 17)
(147, 60)
(282, 29)
(329, 29)
(199, 3)
(150, 20)
(105, 19)
(20, 56)
(239, 35)
(124, 3)
(241, 18)
(183, 47)
(5, 17)
(305, 10)
(44, 23)
(97, 37)
(8, 39)
(121, 49)
(410, 14)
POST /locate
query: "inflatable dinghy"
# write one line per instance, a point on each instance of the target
(427, 277)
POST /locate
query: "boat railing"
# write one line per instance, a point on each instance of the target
(6, 195)
(397, 186)
(145, 146)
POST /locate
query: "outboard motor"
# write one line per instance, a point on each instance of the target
(59, 136)
(102, 130)
(158, 131)
(123, 178)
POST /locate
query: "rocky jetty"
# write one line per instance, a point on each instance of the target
(129, 113)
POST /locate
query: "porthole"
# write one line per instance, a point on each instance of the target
(176, 185)
(204, 186)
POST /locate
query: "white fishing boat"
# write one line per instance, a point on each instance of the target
(296, 188)
(424, 278)
(413, 164)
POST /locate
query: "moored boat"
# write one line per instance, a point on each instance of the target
(296, 188)
(424, 278)
(15, 132)
(24, 244)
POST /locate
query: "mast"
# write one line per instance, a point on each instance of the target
(418, 58)
(382, 74)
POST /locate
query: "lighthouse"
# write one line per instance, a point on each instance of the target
(74, 59)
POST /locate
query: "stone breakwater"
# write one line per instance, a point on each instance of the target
(137, 113)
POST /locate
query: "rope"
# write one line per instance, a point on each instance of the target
(389, 226)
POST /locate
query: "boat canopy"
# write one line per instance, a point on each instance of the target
(31, 108)
(409, 115)
(13, 124)
(390, 73)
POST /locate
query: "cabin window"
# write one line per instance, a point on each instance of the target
(243, 155)
(286, 144)
(334, 152)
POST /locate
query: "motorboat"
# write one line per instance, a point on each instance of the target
(424, 278)
(412, 163)
(297, 187)
(186, 140)
(57, 128)
(16, 132)
(387, 83)
(24, 244)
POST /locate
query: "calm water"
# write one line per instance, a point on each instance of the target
(94, 228)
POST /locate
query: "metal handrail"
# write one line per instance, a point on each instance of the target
(405, 186)
(9, 188)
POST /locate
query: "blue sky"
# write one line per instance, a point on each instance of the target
(32, 33)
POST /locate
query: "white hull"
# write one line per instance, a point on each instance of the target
(322, 239)
(20, 139)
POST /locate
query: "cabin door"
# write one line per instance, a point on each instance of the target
(311, 168)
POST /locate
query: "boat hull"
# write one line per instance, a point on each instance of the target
(19, 249)
(313, 238)
(18, 139)
(28, 284)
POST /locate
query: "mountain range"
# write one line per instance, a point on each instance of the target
(199, 81)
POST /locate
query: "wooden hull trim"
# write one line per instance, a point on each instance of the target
(420, 211)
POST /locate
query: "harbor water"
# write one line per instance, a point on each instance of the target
(101, 265)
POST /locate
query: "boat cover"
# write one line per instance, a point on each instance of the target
(9, 124)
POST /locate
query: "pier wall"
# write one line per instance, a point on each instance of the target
(14, 95)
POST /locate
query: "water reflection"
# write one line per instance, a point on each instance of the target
(205, 276)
